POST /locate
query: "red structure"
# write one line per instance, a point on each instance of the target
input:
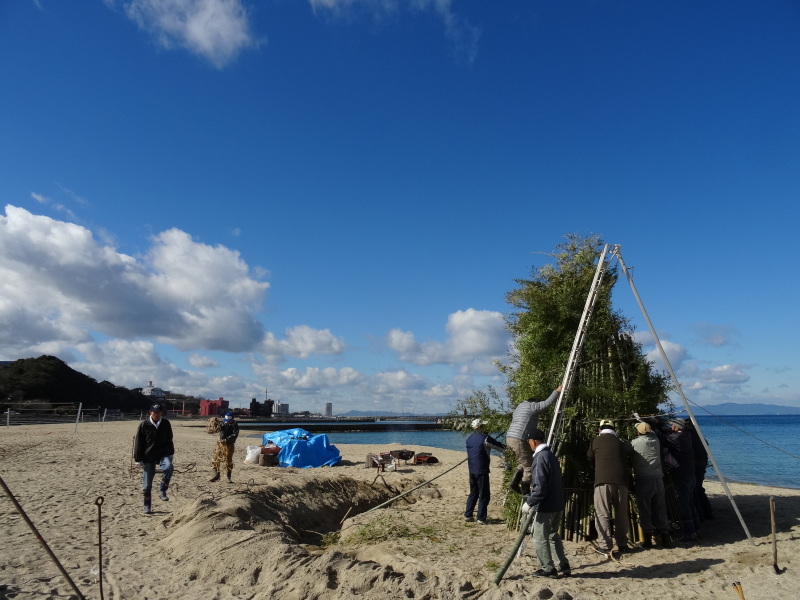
(213, 408)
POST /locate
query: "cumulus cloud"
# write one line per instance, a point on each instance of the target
(199, 361)
(58, 283)
(313, 378)
(301, 342)
(217, 30)
(462, 36)
(725, 374)
(714, 335)
(474, 336)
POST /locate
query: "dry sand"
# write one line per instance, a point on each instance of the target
(271, 534)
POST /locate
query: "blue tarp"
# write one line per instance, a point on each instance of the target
(300, 448)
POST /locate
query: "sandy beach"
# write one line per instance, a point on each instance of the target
(304, 533)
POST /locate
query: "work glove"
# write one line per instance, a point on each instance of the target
(525, 508)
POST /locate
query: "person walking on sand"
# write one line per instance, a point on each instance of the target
(547, 499)
(153, 445)
(479, 447)
(525, 419)
(223, 452)
(610, 455)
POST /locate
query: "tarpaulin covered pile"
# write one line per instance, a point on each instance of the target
(300, 448)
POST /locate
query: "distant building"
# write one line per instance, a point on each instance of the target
(281, 409)
(262, 409)
(329, 409)
(156, 393)
(213, 408)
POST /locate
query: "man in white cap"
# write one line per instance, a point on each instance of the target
(223, 452)
(479, 447)
(610, 455)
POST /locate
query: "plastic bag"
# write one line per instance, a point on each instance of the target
(251, 455)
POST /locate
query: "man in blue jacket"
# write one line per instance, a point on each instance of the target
(479, 447)
(153, 446)
(547, 499)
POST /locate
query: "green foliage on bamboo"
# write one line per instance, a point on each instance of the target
(613, 377)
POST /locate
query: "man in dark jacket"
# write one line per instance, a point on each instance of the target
(479, 447)
(679, 442)
(610, 456)
(153, 446)
(547, 499)
(223, 453)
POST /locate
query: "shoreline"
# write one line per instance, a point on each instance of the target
(298, 534)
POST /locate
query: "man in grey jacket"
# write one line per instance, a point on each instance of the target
(650, 499)
(524, 420)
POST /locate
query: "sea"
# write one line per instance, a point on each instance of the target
(763, 450)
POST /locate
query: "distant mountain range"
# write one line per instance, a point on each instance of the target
(731, 408)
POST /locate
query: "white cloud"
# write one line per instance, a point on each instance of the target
(199, 361)
(313, 378)
(714, 335)
(474, 336)
(117, 317)
(58, 283)
(217, 30)
(301, 341)
(462, 36)
(725, 374)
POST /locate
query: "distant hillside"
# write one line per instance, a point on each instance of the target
(731, 408)
(47, 379)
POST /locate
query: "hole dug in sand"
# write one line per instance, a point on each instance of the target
(269, 540)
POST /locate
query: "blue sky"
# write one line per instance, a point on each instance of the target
(330, 198)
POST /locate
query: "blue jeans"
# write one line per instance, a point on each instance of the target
(149, 473)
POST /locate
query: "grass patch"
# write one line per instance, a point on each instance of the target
(387, 528)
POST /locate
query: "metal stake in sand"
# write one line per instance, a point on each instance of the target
(774, 536)
(99, 503)
(41, 540)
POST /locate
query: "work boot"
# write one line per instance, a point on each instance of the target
(666, 541)
(648, 540)
(147, 504)
(162, 491)
(515, 480)
(215, 477)
(229, 476)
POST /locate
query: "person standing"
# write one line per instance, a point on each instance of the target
(223, 452)
(524, 420)
(547, 499)
(479, 447)
(153, 446)
(609, 455)
(679, 442)
(650, 499)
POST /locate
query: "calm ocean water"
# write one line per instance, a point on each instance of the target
(751, 449)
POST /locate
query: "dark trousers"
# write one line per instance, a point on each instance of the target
(479, 494)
